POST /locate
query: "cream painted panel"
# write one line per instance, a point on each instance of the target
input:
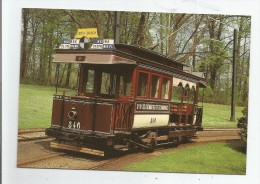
(150, 120)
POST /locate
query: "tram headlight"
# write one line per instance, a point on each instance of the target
(72, 114)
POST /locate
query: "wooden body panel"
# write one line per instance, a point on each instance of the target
(56, 112)
(109, 115)
(103, 117)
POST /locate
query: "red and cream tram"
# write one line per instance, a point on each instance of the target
(128, 97)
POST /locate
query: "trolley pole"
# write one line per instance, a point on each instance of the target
(233, 117)
(117, 26)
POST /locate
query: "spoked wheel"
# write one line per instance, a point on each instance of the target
(186, 139)
(175, 142)
(151, 146)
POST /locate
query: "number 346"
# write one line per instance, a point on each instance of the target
(74, 125)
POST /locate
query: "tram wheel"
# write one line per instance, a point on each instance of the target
(108, 153)
(151, 146)
(175, 142)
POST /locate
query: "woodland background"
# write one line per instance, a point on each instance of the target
(204, 42)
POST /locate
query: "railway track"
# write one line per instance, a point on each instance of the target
(29, 135)
(47, 155)
(40, 159)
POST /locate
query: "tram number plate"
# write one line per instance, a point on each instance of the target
(74, 125)
(153, 120)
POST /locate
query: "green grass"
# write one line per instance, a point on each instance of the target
(211, 158)
(35, 105)
(35, 108)
(218, 116)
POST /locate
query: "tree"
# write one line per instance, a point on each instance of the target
(201, 41)
(242, 124)
(139, 38)
(24, 56)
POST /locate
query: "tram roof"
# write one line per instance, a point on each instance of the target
(90, 57)
(127, 55)
(117, 56)
(148, 54)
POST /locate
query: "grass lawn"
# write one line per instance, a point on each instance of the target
(210, 158)
(218, 116)
(35, 108)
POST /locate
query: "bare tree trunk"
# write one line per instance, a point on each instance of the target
(31, 50)
(41, 76)
(196, 38)
(50, 59)
(175, 22)
(215, 34)
(161, 34)
(139, 38)
(62, 74)
(24, 57)
(239, 62)
(49, 69)
(33, 65)
(99, 23)
(67, 82)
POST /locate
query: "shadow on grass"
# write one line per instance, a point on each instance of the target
(237, 145)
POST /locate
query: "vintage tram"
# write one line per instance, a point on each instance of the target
(128, 97)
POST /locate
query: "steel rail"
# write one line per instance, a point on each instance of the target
(39, 159)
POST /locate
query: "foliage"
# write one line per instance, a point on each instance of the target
(242, 124)
(211, 158)
(204, 42)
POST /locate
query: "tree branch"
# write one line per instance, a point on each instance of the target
(73, 18)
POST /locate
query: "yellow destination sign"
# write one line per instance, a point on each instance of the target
(87, 32)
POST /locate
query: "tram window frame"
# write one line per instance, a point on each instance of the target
(148, 95)
(147, 85)
(106, 85)
(177, 94)
(186, 94)
(113, 83)
(158, 86)
(87, 80)
(124, 88)
(192, 94)
(169, 88)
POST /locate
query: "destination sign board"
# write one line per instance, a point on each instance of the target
(70, 44)
(87, 32)
(103, 44)
(143, 106)
(83, 40)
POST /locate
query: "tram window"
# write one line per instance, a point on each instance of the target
(105, 83)
(155, 83)
(176, 93)
(125, 85)
(192, 94)
(186, 95)
(142, 84)
(90, 81)
(165, 88)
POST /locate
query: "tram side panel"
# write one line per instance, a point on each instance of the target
(72, 114)
(151, 114)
